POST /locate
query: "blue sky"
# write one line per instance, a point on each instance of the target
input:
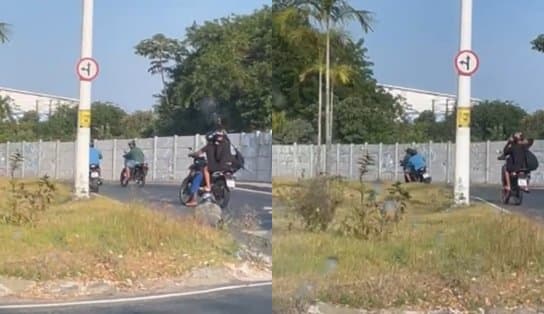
(414, 42)
(413, 45)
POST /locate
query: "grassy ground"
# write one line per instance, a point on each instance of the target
(464, 258)
(104, 239)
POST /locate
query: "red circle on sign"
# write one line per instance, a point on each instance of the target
(459, 70)
(92, 77)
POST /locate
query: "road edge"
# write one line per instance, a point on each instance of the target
(136, 298)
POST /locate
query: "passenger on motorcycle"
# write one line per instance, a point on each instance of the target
(405, 166)
(217, 158)
(416, 162)
(515, 153)
(133, 158)
(95, 156)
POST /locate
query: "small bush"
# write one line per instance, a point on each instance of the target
(15, 161)
(364, 163)
(24, 201)
(318, 202)
(371, 219)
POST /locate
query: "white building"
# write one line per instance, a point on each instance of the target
(24, 101)
(416, 101)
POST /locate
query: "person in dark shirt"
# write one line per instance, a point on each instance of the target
(217, 159)
(515, 152)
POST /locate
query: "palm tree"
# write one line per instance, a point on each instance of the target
(303, 35)
(328, 14)
(4, 32)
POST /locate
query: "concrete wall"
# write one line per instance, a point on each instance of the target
(168, 161)
(167, 157)
(296, 161)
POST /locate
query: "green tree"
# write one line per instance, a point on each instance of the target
(329, 14)
(495, 120)
(106, 119)
(6, 110)
(285, 131)
(533, 125)
(161, 51)
(139, 124)
(538, 43)
(61, 125)
(223, 69)
(4, 32)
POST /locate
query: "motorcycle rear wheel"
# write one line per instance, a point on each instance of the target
(184, 195)
(221, 193)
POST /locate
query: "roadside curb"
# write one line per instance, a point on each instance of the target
(501, 209)
(136, 298)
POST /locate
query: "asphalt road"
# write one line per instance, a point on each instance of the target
(532, 206)
(165, 197)
(246, 300)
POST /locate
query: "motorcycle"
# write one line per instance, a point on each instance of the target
(94, 178)
(519, 183)
(223, 182)
(419, 176)
(137, 174)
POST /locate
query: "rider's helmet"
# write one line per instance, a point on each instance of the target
(210, 136)
(410, 151)
(132, 144)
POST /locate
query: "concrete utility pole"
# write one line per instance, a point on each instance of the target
(84, 113)
(466, 64)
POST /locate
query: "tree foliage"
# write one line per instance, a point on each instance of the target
(4, 32)
(222, 68)
(107, 121)
(538, 43)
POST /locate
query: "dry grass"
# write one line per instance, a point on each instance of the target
(102, 238)
(465, 258)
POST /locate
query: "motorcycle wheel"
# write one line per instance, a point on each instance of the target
(184, 195)
(221, 193)
(505, 196)
(94, 185)
(141, 178)
(123, 179)
(518, 197)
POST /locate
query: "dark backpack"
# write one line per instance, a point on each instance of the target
(237, 159)
(532, 161)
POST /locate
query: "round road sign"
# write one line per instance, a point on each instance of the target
(466, 62)
(87, 69)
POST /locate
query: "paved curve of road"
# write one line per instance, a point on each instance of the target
(532, 206)
(165, 197)
(247, 300)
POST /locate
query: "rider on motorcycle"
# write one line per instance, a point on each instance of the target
(95, 156)
(404, 163)
(133, 158)
(515, 153)
(416, 162)
(217, 158)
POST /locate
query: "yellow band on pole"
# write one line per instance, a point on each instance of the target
(84, 118)
(463, 117)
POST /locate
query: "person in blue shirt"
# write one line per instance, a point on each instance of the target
(95, 156)
(416, 161)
